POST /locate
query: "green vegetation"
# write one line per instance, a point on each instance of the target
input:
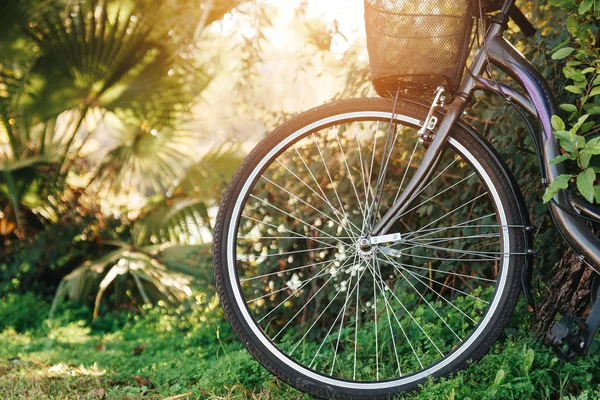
(581, 74)
(108, 240)
(192, 351)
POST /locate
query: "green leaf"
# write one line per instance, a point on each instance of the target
(557, 123)
(562, 53)
(585, 183)
(572, 24)
(566, 141)
(560, 182)
(594, 110)
(597, 193)
(593, 146)
(588, 70)
(585, 6)
(568, 107)
(584, 159)
(573, 89)
(499, 377)
(580, 122)
(587, 126)
(595, 91)
(575, 75)
(561, 158)
(528, 362)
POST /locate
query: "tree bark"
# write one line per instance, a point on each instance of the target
(568, 293)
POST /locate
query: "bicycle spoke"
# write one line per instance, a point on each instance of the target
(287, 230)
(474, 252)
(384, 165)
(283, 271)
(359, 275)
(304, 202)
(340, 313)
(349, 174)
(383, 287)
(305, 304)
(452, 211)
(414, 275)
(296, 218)
(356, 327)
(436, 195)
(303, 284)
(375, 323)
(246, 257)
(424, 299)
(387, 311)
(462, 225)
(406, 171)
(448, 272)
(324, 199)
(334, 209)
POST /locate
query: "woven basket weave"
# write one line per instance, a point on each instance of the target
(417, 45)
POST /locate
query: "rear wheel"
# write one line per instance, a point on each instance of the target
(321, 305)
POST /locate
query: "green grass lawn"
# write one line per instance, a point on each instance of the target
(192, 353)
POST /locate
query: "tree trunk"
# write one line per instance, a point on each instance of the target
(568, 293)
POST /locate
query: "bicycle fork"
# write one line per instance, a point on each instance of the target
(434, 149)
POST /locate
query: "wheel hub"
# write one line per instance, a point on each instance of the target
(365, 249)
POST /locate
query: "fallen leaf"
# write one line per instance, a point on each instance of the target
(138, 350)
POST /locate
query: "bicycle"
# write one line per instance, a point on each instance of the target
(369, 244)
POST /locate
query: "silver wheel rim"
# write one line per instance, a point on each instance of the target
(348, 384)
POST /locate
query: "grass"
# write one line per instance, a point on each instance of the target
(191, 353)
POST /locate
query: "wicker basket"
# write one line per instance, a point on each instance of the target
(417, 45)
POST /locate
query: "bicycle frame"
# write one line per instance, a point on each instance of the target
(537, 100)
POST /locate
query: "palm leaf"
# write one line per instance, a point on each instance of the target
(146, 162)
(181, 215)
(174, 220)
(103, 54)
(153, 279)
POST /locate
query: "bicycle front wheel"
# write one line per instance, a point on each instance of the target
(334, 315)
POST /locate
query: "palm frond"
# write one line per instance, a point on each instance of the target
(180, 216)
(104, 54)
(152, 278)
(174, 220)
(211, 172)
(145, 163)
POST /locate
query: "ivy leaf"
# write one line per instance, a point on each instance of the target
(585, 183)
(573, 89)
(585, 6)
(562, 53)
(557, 123)
(560, 182)
(568, 107)
(559, 159)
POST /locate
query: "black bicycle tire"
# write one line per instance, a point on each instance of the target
(484, 153)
